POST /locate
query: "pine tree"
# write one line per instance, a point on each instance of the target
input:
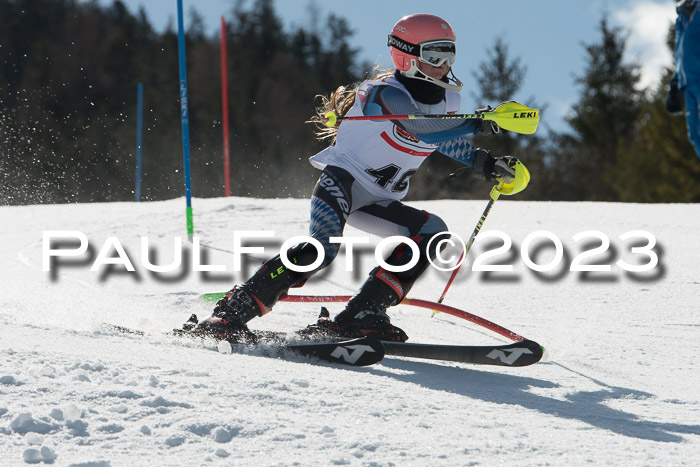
(660, 164)
(499, 78)
(603, 120)
(68, 77)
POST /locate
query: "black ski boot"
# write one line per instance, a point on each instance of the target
(232, 312)
(255, 297)
(365, 313)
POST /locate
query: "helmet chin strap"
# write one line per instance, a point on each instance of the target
(453, 83)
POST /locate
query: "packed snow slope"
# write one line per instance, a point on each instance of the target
(618, 384)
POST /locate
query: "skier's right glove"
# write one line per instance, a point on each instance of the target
(674, 102)
(509, 171)
(486, 127)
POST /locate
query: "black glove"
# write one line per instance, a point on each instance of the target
(674, 102)
(489, 168)
(486, 127)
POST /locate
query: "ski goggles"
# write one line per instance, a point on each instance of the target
(438, 52)
(434, 53)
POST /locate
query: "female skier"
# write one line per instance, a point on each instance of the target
(365, 174)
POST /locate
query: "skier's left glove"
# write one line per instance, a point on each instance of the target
(485, 165)
(512, 175)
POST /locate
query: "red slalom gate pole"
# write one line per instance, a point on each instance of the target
(465, 315)
(417, 303)
(224, 107)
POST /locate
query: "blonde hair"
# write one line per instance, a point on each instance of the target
(339, 102)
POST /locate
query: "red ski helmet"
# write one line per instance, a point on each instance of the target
(426, 38)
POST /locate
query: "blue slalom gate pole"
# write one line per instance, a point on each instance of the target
(184, 117)
(139, 134)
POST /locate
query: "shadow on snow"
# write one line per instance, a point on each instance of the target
(585, 406)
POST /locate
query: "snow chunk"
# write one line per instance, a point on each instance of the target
(200, 429)
(34, 455)
(86, 367)
(111, 428)
(91, 367)
(47, 370)
(224, 347)
(24, 423)
(48, 454)
(224, 435)
(34, 439)
(77, 427)
(124, 394)
(174, 441)
(121, 408)
(160, 401)
(81, 376)
(301, 383)
(72, 413)
(8, 380)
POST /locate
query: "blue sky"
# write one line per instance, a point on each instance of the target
(547, 35)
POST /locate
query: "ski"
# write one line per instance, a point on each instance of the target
(362, 351)
(522, 353)
(318, 343)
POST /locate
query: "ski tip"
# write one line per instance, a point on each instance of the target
(537, 351)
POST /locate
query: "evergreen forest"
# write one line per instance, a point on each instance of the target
(69, 71)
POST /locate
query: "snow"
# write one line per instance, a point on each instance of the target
(618, 384)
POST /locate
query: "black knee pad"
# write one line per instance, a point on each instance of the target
(428, 246)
